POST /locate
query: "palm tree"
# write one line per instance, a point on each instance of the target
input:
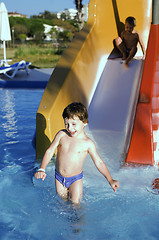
(78, 4)
(79, 16)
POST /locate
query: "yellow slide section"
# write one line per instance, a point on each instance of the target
(79, 69)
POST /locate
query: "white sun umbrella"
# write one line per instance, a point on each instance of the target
(5, 34)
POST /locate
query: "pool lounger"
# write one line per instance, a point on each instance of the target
(22, 65)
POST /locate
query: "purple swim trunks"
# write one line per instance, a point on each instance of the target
(67, 181)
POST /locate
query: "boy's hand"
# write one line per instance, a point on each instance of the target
(114, 184)
(41, 175)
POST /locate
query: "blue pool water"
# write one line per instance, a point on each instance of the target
(30, 209)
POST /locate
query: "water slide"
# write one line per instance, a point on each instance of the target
(144, 146)
(91, 71)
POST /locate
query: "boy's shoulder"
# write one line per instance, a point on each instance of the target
(61, 133)
(135, 32)
(90, 142)
(126, 33)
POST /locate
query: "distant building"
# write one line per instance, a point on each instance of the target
(85, 12)
(71, 13)
(47, 30)
(15, 14)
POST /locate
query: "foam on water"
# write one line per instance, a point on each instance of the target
(30, 208)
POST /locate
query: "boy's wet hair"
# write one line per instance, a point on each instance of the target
(76, 109)
(131, 21)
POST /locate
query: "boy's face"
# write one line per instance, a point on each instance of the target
(128, 27)
(74, 126)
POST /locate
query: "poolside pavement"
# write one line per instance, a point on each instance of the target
(37, 78)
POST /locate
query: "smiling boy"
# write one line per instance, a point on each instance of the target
(72, 146)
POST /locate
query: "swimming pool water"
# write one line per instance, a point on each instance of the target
(30, 208)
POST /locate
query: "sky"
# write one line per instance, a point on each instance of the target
(34, 7)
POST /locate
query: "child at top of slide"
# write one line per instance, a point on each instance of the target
(127, 43)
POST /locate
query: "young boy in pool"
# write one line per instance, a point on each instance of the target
(127, 43)
(73, 145)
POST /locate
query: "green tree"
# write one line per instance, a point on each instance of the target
(65, 36)
(36, 27)
(47, 15)
(63, 16)
(22, 37)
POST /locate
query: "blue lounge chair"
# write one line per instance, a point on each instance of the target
(11, 70)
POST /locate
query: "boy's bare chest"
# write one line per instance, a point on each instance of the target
(73, 146)
(130, 38)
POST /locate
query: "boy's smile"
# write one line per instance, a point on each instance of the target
(74, 126)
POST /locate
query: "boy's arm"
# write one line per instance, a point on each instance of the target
(48, 155)
(142, 45)
(122, 35)
(101, 166)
